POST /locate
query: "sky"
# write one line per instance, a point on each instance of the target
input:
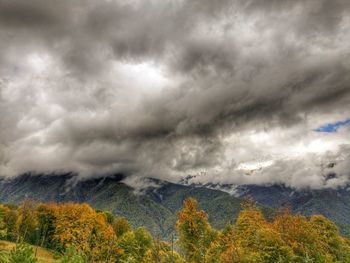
(333, 127)
(240, 92)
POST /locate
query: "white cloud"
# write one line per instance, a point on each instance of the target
(166, 89)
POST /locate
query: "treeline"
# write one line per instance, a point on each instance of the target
(79, 233)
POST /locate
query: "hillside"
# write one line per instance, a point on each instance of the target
(155, 207)
(332, 203)
(78, 233)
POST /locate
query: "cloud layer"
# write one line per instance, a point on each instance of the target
(170, 88)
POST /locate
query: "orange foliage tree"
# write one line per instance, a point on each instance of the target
(80, 226)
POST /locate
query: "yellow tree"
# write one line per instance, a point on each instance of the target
(78, 225)
(227, 248)
(299, 234)
(249, 221)
(259, 240)
(334, 247)
(103, 246)
(195, 233)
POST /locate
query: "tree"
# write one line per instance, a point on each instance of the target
(10, 219)
(227, 247)
(135, 246)
(162, 252)
(120, 226)
(300, 235)
(81, 226)
(26, 223)
(194, 231)
(3, 228)
(249, 221)
(82, 234)
(102, 243)
(330, 242)
(258, 239)
(46, 223)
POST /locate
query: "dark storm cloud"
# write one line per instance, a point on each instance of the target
(155, 88)
(28, 14)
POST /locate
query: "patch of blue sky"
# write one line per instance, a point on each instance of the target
(333, 127)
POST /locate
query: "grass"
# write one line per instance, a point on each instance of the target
(42, 254)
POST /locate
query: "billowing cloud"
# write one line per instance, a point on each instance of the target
(228, 91)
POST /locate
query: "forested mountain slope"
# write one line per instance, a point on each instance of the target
(155, 206)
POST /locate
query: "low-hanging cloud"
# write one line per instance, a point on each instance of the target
(170, 88)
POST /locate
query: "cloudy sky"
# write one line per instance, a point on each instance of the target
(230, 91)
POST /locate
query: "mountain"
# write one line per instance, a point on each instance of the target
(155, 204)
(154, 207)
(332, 203)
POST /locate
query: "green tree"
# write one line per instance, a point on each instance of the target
(3, 228)
(71, 255)
(46, 225)
(135, 246)
(120, 226)
(162, 252)
(10, 219)
(27, 222)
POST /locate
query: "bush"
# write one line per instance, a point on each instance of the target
(71, 255)
(22, 253)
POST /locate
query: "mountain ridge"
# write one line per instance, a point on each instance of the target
(156, 206)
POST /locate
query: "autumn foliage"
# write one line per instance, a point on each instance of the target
(286, 238)
(79, 233)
